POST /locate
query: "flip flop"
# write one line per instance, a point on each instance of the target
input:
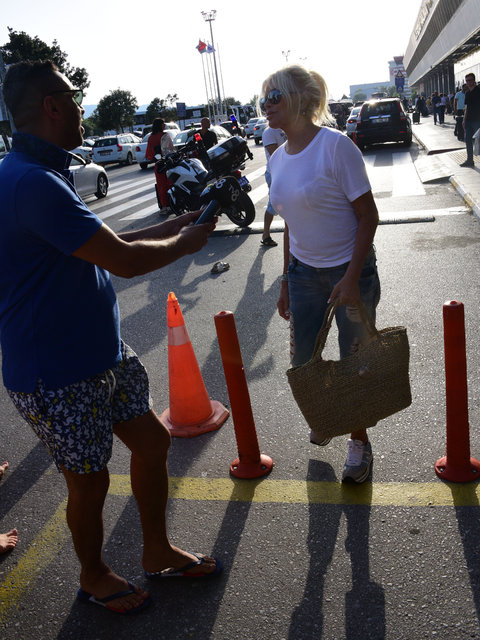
(269, 242)
(183, 572)
(84, 596)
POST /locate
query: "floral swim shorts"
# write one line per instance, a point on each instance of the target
(76, 422)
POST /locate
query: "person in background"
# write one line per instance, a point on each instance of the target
(471, 116)
(65, 366)
(160, 143)
(321, 189)
(8, 541)
(458, 110)
(271, 139)
(209, 137)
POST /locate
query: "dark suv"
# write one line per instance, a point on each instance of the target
(383, 120)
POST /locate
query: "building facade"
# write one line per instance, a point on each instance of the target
(444, 45)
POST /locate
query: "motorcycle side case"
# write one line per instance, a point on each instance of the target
(227, 154)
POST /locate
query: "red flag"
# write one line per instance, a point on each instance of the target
(201, 46)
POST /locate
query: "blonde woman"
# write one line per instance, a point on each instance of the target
(320, 188)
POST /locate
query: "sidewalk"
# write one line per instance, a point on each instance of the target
(445, 154)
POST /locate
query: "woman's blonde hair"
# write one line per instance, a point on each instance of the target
(304, 91)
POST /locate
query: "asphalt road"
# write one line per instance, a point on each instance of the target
(305, 558)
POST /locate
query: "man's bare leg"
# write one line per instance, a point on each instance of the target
(86, 497)
(149, 440)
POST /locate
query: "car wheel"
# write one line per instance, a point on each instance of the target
(102, 186)
(129, 159)
(257, 141)
(408, 141)
(143, 165)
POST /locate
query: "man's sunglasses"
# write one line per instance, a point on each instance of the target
(77, 94)
(274, 96)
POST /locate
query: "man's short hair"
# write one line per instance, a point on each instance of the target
(470, 75)
(25, 82)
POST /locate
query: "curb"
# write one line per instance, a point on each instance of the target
(467, 198)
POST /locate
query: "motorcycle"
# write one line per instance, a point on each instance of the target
(192, 168)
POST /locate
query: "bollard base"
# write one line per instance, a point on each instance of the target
(243, 469)
(212, 423)
(466, 473)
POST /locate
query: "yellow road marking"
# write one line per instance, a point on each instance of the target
(381, 494)
(51, 538)
(46, 545)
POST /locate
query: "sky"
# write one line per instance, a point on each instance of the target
(149, 48)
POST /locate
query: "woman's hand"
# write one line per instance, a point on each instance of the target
(347, 290)
(283, 302)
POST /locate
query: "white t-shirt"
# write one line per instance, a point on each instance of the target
(313, 191)
(272, 136)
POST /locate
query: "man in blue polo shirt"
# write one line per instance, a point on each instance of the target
(64, 364)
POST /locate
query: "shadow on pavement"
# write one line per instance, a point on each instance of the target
(365, 602)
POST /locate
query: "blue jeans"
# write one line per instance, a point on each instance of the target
(470, 128)
(309, 289)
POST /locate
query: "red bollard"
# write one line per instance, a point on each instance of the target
(250, 462)
(457, 465)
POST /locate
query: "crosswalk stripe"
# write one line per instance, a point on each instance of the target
(405, 177)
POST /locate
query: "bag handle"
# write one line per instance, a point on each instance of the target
(327, 323)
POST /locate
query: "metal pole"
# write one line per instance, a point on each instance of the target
(209, 16)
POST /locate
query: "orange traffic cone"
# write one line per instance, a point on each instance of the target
(191, 412)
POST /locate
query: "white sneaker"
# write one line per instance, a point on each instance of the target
(359, 461)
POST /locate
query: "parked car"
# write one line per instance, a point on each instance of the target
(89, 178)
(141, 148)
(249, 127)
(352, 121)
(234, 129)
(258, 129)
(383, 120)
(184, 136)
(117, 148)
(85, 150)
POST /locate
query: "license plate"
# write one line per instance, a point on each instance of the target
(243, 181)
(382, 119)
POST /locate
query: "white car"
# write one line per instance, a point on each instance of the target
(89, 178)
(117, 148)
(249, 126)
(258, 129)
(351, 123)
(141, 148)
(85, 150)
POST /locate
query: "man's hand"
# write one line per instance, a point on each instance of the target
(193, 237)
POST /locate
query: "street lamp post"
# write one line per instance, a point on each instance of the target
(209, 16)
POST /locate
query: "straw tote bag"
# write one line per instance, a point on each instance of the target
(341, 396)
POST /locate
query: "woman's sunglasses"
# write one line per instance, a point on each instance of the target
(274, 96)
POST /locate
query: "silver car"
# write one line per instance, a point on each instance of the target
(89, 178)
(249, 126)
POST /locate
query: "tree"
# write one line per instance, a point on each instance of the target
(115, 110)
(21, 46)
(154, 110)
(359, 96)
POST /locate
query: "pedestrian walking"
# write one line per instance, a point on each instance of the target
(458, 110)
(471, 116)
(160, 143)
(65, 367)
(321, 189)
(436, 104)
